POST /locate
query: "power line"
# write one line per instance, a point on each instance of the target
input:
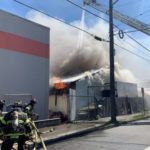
(107, 21)
(138, 42)
(135, 48)
(126, 34)
(126, 4)
(101, 17)
(135, 30)
(142, 29)
(132, 53)
(96, 37)
(86, 10)
(141, 14)
(144, 12)
(115, 2)
(97, 15)
(96, 9)
(90, 11)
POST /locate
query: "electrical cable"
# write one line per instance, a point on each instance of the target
(142, 29)
(114, 25)
(144, 12)
(132, 53)
(134, 47)
(96, 37)
(117, 27)
(115, 2)
(138, 49)
(126, 34)
(138, 42)
(90, 11)
(86, 10)
(126, 4)
(99, 16)
(141, 14)
(83, 30)
(93, 13)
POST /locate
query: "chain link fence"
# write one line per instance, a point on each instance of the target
(94, 106)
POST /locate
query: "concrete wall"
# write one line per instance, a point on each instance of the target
(24, 59)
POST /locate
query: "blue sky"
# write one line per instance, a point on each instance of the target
(66, 11)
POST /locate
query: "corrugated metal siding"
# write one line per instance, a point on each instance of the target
(125, 89)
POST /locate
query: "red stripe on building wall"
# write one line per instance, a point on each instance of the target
(21, 44)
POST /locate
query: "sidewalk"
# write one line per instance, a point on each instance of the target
(64, 131)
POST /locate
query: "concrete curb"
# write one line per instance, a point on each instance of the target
(47, 122)
(70, 134)
(130, 121)
(81, 132)
(76, 133)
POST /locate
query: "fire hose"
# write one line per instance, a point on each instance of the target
(39, 135)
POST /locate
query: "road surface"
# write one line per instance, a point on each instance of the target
(134, 136)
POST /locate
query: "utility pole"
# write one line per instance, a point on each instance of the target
(143, 96)
(111, 57)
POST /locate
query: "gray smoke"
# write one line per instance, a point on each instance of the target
(67, 58)
(70, 54)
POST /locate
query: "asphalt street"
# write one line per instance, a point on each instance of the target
(133, 136)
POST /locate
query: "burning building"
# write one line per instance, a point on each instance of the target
(79, 97)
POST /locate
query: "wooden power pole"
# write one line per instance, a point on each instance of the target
(112, 68)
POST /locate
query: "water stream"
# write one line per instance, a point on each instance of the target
(81, 33)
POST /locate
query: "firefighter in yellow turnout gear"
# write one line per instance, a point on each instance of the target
(16, 126)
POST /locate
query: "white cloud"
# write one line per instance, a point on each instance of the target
(67, 59)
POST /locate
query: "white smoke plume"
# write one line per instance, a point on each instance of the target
(124, 74)
(68, 59)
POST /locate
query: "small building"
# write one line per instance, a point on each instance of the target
(24, 61)
(80, 97)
